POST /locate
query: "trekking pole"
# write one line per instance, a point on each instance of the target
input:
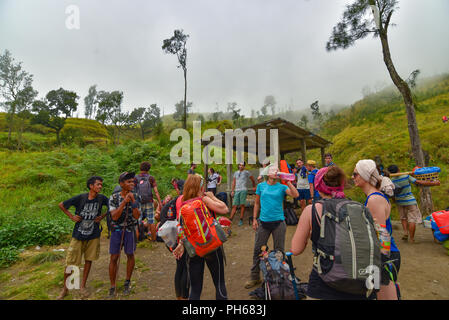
(292, 274)
(121, 243)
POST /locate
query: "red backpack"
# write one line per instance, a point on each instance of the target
(203, 232)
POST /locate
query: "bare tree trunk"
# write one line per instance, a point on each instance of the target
(185, 100)
(418, 155)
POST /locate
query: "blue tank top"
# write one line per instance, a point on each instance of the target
(393, 247)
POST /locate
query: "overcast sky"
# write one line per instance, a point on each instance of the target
(238, 50)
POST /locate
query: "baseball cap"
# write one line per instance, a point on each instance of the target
(126, 175)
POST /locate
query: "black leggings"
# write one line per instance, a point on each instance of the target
(182, 277)
(214, 261)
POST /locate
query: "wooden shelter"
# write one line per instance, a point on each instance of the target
(291, 138)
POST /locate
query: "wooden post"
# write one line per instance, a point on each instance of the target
(229, 183)
(323, 163)
(206, 165)
(304, 150)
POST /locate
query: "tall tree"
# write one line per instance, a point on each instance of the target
(365, 17)
(177, 45)
(236, 116)
(303, 122)
(54, 110)
(90, 102)
(16, 90)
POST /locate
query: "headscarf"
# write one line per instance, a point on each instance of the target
(367, 169)
(320, 185)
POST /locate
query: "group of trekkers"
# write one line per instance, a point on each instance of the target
(320, 193)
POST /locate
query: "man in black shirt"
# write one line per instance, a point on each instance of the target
(86, 233)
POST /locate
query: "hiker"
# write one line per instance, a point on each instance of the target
(269, 199)
(181, 280)
(328, 160)
(192, 169)
(146, 189)
(377, 189)
(406, 203)
(86, 233)
(302, 184)
(125, 212)
(239, 190)
(193, 189)
(178, 184)
(213, 181)
(330, 183)
(311, 167)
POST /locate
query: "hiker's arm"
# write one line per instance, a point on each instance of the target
(135, 205)
(233, 187)
(158, 197)
(214, 204)
(116, 213)
(71, 216)
(427, 183)
(302, 233)
(256, 212)
(291, 191)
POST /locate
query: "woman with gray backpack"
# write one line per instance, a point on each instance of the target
(344, 242)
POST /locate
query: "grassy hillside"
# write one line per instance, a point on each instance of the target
(377, 126)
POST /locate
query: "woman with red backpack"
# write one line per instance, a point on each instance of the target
(196, 205)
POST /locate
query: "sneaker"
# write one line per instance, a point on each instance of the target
(127, 287)
(111, 293)
(252, 283)
(240, 223)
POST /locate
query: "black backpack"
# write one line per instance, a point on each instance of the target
(144, 188)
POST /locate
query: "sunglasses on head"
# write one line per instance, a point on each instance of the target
(355, 174)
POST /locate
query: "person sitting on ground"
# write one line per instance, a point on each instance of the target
(239, 191)
(213, 181)
(377, 189)
(194, 188)
(312, 169)
(146, 189)
(86, 233)
(269, 199)
(328, 160)
(125, 212)
(330, 183)
(408, 209)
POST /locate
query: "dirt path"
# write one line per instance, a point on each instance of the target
(423, 273)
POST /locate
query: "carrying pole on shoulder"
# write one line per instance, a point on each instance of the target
(292, 273)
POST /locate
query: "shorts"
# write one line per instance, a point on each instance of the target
(77, 248)
(129, 242)
(410, 213)
(147, 212)
(239, 198)
(304, 194)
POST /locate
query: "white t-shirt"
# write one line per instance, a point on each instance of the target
(214, 177)
(302, 183)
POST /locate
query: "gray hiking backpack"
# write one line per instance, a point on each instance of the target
(144, 188)
(346, 250)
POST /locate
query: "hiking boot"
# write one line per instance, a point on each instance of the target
(240, 223)
(84, 293)
(127, 287)
(252, 283)
(62, 294)
(111, 293)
